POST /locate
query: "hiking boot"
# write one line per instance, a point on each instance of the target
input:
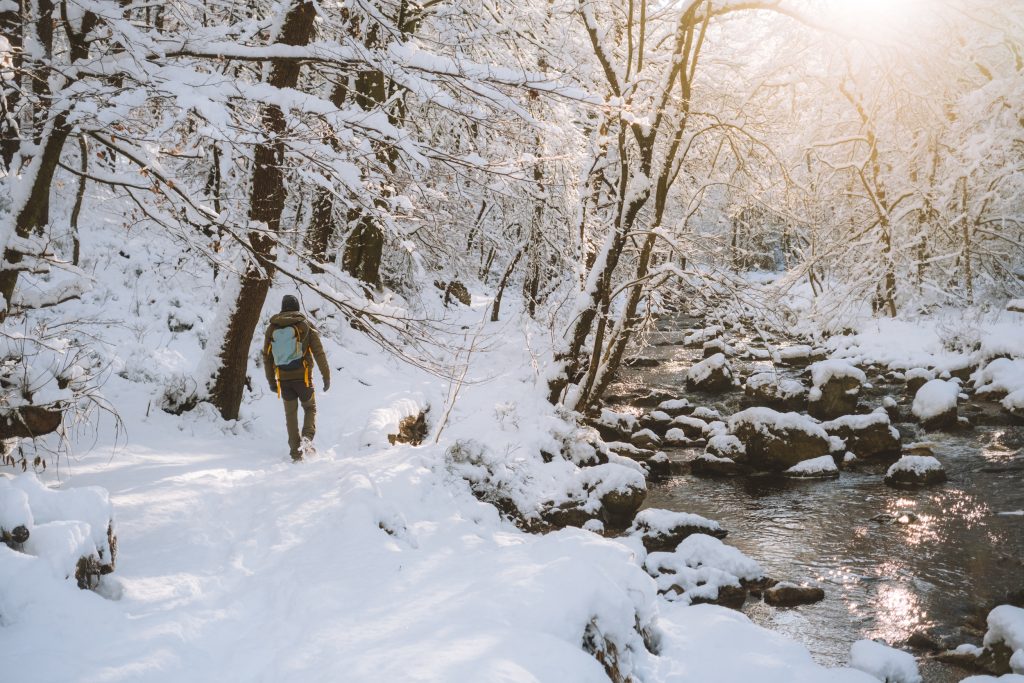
(297, 457)
(307, 448)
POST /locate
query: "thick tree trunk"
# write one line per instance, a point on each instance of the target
(267, 199)
(10, 97)
(34, 215)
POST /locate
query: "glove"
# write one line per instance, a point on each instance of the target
(273, 387)
(327, 384)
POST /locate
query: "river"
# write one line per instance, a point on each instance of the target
(891, 562)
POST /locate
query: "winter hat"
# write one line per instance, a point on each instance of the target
(289, 303)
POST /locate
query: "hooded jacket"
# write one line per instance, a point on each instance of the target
(313, 349)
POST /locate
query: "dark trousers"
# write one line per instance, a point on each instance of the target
(294, 392)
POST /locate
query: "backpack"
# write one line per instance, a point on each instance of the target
(286, 347)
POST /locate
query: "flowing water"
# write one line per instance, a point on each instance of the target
(892, 562)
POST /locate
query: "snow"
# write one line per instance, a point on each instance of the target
(765, 420)
(1003, 375)
(823, 465)
(704, 369)
(825, 370)
(727, 445)
(701, 550)
(918, 464)
(934, 398)
(656, 521)
(782, 387)
(674, 404)
(859, 422)
(1006, 625)
(706, 414)
(887, 664)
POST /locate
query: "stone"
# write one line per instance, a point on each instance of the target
(729, 596)
(836, 397)
(866, 436)
(676, 407)
(706, 464)
(768, 389)
(777, 441)
(669, 536)
(790, 595)
(645, 438)
(620, 505)
(566, 514)
(711, 375)
(912, 471)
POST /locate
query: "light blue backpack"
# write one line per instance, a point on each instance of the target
(286, 347)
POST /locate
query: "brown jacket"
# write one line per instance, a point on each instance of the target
(314, 350)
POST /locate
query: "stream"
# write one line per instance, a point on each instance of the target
(892, 562)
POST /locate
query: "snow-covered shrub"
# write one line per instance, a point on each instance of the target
(70, 531)
(48, 383)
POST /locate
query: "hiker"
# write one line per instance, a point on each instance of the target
(290, 346)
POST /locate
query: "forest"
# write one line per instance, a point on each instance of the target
(594, 280)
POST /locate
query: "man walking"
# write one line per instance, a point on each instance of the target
(289, 349)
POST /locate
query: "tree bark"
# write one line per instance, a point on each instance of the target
(267, 199)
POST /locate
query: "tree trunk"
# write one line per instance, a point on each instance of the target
(10, 97)
(267, 199)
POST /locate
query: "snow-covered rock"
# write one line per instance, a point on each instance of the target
(676, 406)
(887, 664)
(768, 389)
(786, 594)
(915, 470)
(663, 530)
(1004, 641)
(835, 387)
(866, 436)
(777, 441)
(615, 426)
(709, 465)
(725, 446)
(703, 569)
(935, 404)
(711, 374)
(692, 427)
(821, 467)
(646, 438)
(797, 355)
(917, 377)
(1003, 378)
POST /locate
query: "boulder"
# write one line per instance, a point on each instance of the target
(729, 596)
(692, 427)
(709, 465)
(776, 441)
(663, 530)
(912, 471)
(790, 594)
(822, 467)
(935, 404)
(712, 374)
(835, 388)
(676, 407)
(916, 378)
(768, 389)
(619, 505)
(646, 438)
(613, 426)
(798, 355)
(725, 446)
(717, 346)
(657, 421)
(866, 436)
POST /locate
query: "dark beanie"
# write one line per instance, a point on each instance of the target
(289, 303)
